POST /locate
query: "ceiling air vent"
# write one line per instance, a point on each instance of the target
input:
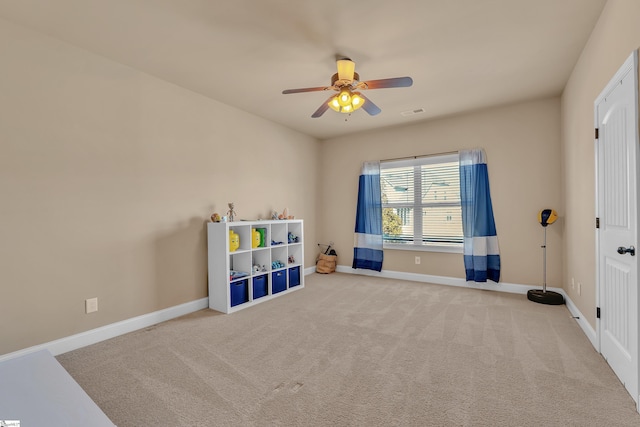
(412, 112)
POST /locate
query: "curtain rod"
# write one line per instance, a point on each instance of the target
(418, 157)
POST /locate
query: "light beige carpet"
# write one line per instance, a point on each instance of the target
(356, 350)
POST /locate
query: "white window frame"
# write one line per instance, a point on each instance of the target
(417, 207)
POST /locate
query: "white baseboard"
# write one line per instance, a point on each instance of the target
(440, 280)
(113, 330)
(582, 322)
(492, 286)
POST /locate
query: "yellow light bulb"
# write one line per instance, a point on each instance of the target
(334, 104)
(344, 98)
(357, 101)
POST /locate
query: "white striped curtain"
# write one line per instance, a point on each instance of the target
(367, 251)
(481, 252)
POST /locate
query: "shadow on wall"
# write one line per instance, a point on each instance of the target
(181, 264)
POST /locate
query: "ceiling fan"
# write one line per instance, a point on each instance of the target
(347, 83)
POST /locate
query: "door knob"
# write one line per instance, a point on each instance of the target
(622, 250)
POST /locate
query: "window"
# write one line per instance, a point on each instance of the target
(421, 204)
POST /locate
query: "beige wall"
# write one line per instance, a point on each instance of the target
(615, 36)
(107, 176)
(522, 143)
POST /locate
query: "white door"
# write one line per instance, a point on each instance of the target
(617, 210)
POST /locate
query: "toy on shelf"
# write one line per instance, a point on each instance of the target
(291, 259)
(262, 232)
(215, 217)
(234, 241)
(231, 213)
(283, 215)
(292, 238)
(274, 243)
(257, 268)
(255, 238)
(277, 264)
(234, 274)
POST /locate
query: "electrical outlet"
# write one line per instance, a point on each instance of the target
(91, 305)
(417, 260)
(573, 283)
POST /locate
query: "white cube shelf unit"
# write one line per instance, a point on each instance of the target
(234, 283)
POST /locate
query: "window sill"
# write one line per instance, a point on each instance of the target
(430, 248)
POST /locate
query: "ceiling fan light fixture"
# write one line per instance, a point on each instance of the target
(346, 101)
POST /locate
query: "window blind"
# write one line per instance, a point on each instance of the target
(421, 202)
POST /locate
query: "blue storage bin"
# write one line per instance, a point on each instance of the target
(259, 286)
(294, 276)
(278, 281)
(239, 292)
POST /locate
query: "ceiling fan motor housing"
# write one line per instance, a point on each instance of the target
(337, 83)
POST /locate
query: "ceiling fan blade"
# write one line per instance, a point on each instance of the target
(306, 89)
(323, 108)
(386, 83)
(370, 107)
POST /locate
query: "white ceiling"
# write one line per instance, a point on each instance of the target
(462, 54)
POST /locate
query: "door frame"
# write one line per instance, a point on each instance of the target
(630, 65)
